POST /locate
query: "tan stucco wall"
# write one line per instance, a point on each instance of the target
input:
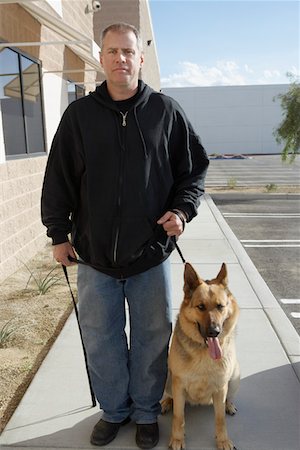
(21, 231)
(17, 25)
(150, 71)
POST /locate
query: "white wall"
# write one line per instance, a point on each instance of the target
(233, 119)
(2, 147)
(56, 5)
(55, 93)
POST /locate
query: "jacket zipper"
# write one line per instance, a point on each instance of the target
(116, 241)
(124, 116)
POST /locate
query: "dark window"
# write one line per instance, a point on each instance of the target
(75, 91)
(20, 104)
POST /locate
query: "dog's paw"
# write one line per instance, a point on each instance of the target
(225, 444)
(176, 444)
(166, 405)
(230, 408)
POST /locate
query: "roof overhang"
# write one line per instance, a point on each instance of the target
(83, 46)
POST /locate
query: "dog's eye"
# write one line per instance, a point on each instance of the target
(220, 307)
(201, 307)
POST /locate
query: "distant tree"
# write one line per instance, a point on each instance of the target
(288, 132)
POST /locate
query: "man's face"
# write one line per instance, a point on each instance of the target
(121, 59)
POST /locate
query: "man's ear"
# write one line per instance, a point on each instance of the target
(141, 59)
(191, 281)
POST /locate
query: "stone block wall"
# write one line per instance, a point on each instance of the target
(22, 234)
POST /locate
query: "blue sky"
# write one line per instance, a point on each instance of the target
(202, 43)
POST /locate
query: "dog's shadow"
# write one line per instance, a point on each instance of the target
(267, 419)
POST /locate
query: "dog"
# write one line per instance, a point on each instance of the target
(202, 363)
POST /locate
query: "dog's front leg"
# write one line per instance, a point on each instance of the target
(223, 442)
(177, 437)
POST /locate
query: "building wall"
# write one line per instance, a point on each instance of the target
(21, 231)
(150, 71)
(233, 119)
(137, 13)
(17, 25)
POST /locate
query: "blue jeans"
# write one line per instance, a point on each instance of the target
(128, 380)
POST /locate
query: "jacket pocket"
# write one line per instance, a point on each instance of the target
(134, 236)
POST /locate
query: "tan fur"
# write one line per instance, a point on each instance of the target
(194, 377)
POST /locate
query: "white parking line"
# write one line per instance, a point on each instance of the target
(270, 240)
(295, 315)
(290, 301)
(272, 243)
(264, 215)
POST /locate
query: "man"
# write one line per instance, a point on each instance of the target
(124, 174)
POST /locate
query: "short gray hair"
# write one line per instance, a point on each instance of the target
(123, 27)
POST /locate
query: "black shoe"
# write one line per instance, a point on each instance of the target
(105, 432)
(147, 435)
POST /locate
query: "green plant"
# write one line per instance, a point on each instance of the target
(231, 182)
(271, 187)
(288, 131)
(6, 332)
(26, 366)
(43, 282)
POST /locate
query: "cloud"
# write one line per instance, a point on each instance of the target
(268, 74)
(223, 73)
(273, 76)
(192, 74)
(295, 71)
(248, 69)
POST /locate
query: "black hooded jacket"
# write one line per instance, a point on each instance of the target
(109, 179)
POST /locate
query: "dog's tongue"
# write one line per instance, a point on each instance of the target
(214, 348)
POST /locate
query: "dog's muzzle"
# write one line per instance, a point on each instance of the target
(211, 340)
(213, 331)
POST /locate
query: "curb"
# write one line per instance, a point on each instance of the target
(283, 328)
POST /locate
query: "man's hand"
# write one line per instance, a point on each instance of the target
(171, 223)
(61, 253)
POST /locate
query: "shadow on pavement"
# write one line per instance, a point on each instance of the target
(267, 419)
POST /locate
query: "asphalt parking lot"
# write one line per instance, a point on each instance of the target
(255, 170)
(268, 227)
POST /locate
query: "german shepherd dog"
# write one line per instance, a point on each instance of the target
(203, 368)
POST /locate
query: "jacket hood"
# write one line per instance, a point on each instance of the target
(102, 96)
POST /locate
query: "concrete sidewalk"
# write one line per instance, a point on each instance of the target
(55, 412)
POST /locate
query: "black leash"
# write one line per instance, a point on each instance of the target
(180, 253)
(78, 261)
(80, 332)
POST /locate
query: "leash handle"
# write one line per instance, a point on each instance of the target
(80, 332)
(75, 260)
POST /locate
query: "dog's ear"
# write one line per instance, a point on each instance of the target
(222, 277)
(191, 281)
